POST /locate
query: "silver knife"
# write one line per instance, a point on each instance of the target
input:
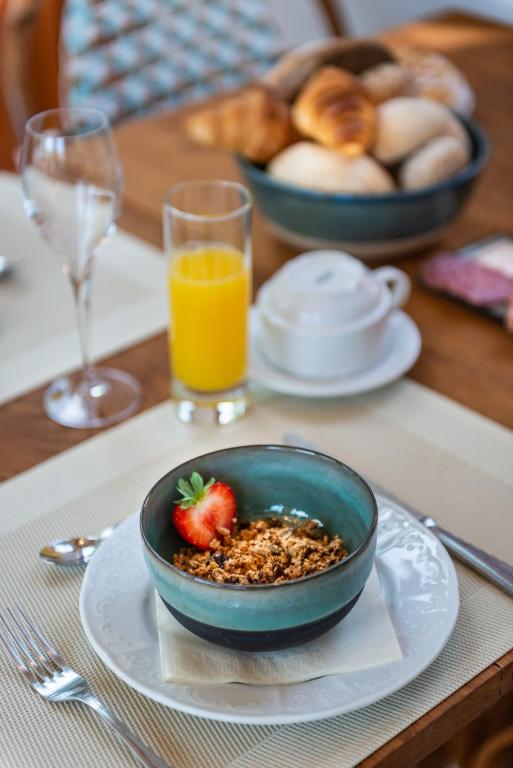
(493, 569)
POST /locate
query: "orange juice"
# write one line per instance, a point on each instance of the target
(209, 289)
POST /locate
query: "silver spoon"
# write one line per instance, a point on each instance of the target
(77, 551)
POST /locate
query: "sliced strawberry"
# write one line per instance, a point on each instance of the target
(204, 511)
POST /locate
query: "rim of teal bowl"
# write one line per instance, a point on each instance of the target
(480, 144)
(287, 449)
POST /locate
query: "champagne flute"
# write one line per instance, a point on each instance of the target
(72, 180)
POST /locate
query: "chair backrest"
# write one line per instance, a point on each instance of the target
(130, 57)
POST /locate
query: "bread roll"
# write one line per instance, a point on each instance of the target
(314, 167)
(433, 76)
(334, 109)
(294, 68)
(254, 122)
(436, 161)
(405, 124)
(385, 81)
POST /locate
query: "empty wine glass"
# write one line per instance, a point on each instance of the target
(71, 186)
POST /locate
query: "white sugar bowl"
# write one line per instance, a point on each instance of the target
(324, 314)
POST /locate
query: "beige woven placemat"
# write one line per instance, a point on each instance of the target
(436, 455)
(38, 331)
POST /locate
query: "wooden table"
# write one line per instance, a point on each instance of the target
(465, 356)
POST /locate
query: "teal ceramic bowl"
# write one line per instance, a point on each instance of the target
(370, 226)
(267, 480)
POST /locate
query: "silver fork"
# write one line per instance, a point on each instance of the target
(50, 676)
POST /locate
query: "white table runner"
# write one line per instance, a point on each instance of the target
(436, 455)
(38, 332)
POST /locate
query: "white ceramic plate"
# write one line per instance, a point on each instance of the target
(402, 348)
(421, 592)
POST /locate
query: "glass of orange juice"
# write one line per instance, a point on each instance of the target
(207, 236)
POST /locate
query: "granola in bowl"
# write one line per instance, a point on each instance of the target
(265, 551)
(203, 516)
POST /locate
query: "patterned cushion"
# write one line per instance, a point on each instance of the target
(133, 56)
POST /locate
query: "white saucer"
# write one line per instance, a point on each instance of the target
(402, 348)
(421, 592)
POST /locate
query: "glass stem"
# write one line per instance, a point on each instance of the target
(82, 295)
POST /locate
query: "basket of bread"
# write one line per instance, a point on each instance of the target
(353, 144)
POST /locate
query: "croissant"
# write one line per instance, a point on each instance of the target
(334, 109)
(254, 122)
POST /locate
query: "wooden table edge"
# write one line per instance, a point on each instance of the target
(433, 729)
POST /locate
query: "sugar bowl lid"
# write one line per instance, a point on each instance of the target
(321, 289)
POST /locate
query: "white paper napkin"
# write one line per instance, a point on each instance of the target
(365, 638)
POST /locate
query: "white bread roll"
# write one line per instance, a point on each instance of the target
(311, 166)
(434, 162)
(434, 76)
(385, 81)
(405, 124)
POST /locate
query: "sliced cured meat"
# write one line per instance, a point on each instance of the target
(466, 280)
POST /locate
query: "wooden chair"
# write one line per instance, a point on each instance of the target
(29, 44)
(29, 62)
